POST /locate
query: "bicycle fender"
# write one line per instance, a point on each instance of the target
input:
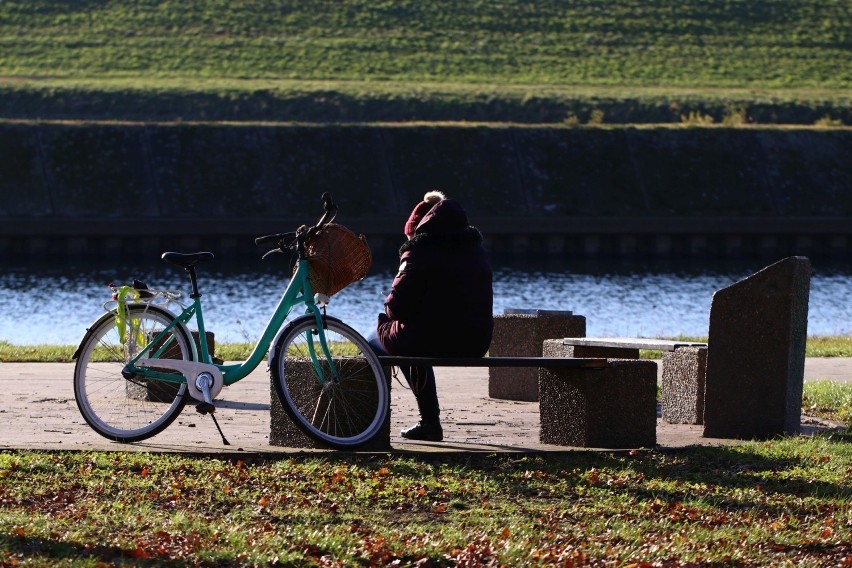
(275, 342)
(149, 307)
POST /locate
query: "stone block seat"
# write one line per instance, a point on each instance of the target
(615, 407)
(683, 369)
(520, 333)
(283, 431)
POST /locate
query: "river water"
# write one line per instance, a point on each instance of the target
(54, 303)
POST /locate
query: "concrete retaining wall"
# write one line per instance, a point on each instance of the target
(93, 189)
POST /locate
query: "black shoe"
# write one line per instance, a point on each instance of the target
(429, 431)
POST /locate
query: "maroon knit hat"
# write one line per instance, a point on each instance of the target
(420, 210)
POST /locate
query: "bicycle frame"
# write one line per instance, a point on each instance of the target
(298, 291)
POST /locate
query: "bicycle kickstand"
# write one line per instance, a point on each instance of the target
(203, 382)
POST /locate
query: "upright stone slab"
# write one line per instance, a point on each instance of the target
(756, 353)
(284, 432)
(520, 333)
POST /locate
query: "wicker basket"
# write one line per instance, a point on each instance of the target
(337, 257)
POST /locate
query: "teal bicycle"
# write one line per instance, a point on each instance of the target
(139, 364)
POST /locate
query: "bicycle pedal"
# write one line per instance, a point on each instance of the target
(205, 408)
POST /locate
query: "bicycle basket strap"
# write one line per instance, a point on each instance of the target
(337, 257)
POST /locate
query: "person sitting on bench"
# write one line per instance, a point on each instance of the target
(440, 303)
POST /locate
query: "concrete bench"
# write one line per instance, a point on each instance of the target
(283, 432)
(684, 367)
(585, 402)
(622, 347)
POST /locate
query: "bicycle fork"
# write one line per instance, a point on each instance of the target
(318, 368)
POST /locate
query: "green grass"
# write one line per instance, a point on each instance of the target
(547, 61)
(829, 346)
(723, 43)
(786, 502)
(817, 346)
(10, 353)
(828, 399)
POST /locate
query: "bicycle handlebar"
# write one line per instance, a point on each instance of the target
(329, 213)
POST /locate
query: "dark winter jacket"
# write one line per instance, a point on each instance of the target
(441, 301)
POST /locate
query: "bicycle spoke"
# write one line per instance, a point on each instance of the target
(120, 408)
(345, 413)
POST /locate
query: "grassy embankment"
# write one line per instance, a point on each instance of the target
(578, 63)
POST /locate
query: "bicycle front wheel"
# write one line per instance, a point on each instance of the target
(341, 402)
(128, 409)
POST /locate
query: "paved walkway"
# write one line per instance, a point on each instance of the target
(38, 411)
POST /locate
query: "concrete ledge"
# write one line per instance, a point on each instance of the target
(614, 407)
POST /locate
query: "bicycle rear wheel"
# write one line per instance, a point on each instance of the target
(122, 409)
(343, 411)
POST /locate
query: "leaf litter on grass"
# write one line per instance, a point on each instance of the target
(781, 501)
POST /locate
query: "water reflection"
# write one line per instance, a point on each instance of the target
(51, 303)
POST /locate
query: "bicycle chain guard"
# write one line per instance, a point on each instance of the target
(190, 370)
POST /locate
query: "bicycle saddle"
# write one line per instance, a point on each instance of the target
(187, 260)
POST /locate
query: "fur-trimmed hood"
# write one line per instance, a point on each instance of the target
(445, 225)
(469, 237)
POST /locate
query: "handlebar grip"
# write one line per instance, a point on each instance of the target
(265, 239)
(273, 238)
(329, 210)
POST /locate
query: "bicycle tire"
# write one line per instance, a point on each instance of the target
(121, 409)
(343, 414)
